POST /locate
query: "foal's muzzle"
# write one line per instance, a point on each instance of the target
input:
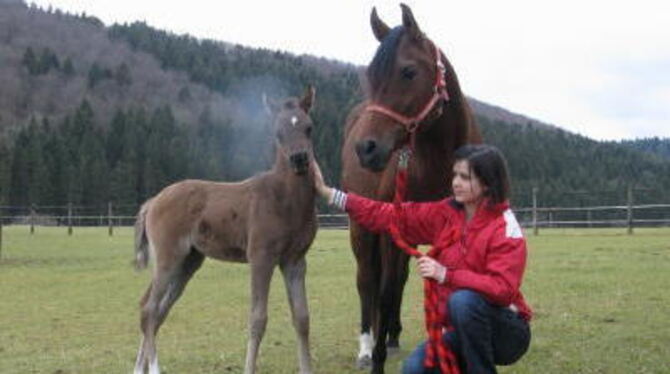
(300, 162)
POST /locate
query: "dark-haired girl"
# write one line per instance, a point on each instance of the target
(480, 262)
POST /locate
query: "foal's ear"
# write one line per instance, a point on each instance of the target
(270, 106)
(308, 98)
(409, 22)
(379, 28)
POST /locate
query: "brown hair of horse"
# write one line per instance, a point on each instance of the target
(268, 220)
(402, 78)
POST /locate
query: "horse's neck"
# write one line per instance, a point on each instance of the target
(430, 169)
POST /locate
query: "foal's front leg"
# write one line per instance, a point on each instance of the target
(261, 275)
(294, 279)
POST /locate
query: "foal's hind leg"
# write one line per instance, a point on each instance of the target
(262, 268)
(294, 279)
(166, 287)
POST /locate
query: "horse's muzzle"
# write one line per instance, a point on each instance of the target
(300, 162)
(372, 155)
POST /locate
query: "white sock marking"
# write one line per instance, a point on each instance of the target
(366, 343)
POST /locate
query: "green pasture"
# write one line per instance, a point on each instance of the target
(69, 304)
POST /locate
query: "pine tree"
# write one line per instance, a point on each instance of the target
(68, 68)
(29, 60)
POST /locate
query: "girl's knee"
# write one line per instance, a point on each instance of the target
(463, 304)
(413, 364)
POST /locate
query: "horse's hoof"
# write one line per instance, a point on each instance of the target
(364, 362)
(392, 351)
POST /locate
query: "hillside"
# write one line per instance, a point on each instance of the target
(52, 62)
(656, 146)
(90, 114)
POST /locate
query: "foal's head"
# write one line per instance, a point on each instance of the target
(293, 129)
(404, 89)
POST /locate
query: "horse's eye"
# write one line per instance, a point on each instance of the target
(308, 132)
(408, 72)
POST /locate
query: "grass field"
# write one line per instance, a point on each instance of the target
(70, 305)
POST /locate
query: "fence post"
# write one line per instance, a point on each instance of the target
(588, 218)
(109, 218)
(630, 209)
(32, 219)
(535, 229)
(69, 219)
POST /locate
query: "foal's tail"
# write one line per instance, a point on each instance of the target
(141, 241)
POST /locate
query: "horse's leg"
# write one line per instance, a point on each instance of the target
(167, 285)
(294, 279)
(390, 282)
(395, 324)
(365, 247)
(262, 268)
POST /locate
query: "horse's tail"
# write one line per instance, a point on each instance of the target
(141, 241)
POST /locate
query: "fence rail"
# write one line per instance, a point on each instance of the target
(539, 217)
(648, 215)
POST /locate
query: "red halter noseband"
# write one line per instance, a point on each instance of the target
(439, 92)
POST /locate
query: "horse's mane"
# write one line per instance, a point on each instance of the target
(382, 64)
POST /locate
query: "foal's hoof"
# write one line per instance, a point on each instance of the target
(364, 362)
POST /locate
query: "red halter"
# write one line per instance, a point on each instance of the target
(439, 92)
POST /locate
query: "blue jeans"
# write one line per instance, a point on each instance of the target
(484, 335)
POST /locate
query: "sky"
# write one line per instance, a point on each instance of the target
(597, 68)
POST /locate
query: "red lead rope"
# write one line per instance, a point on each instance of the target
(437, 353)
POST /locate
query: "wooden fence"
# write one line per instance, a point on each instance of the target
(626, 216)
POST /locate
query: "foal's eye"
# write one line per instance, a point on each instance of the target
(408, 72)
(308, 132)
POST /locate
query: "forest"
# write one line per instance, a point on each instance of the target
(91, 114)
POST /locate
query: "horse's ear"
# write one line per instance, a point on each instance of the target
(409, 22)
(271, 107)
(379, 28)
(308, 98)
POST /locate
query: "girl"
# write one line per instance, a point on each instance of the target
(480, 262)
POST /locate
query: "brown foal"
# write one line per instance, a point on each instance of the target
(266, 220)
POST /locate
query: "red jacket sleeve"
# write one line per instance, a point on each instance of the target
(419, 222)
(505, 264)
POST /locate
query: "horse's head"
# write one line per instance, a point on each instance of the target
(293, 129)
(406, 90)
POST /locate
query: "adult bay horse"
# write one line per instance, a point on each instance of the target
(268, 220)
(413, 96)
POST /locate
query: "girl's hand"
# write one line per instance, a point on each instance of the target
(430, 268)
(320, 185)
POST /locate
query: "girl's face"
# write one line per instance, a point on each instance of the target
(468, 189)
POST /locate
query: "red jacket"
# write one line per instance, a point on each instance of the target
(486, 254)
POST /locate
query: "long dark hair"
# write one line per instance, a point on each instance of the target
(489, 165)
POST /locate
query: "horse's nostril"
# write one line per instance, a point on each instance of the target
(366, 148)
(370, 146)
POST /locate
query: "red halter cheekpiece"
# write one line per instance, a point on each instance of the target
(439, 92)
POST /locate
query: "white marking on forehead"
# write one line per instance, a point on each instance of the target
(294, 120)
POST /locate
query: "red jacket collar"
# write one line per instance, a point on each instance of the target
(485, 211)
